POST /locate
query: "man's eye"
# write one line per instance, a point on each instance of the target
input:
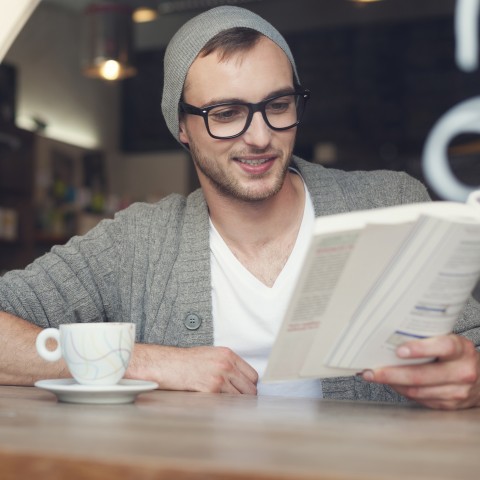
(229, 114)
(279, 106)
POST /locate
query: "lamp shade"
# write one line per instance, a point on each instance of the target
(109, 42)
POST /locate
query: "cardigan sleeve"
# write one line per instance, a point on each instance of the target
(97, 276)
(73, 282)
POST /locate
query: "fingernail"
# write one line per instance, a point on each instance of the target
(403, 351)
(368, 375)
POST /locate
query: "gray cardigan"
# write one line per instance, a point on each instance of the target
(151, 265)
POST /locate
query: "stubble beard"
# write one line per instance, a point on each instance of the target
(229, 186)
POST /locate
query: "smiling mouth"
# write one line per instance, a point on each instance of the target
(254, 162)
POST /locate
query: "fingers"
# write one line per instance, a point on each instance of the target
(452, 381)
(247, 370)
(457, 363)
(237, 377)
(445, 397)
(244, 379)
(429, 374)
(241, 385)
(224, 371)
(444, 347)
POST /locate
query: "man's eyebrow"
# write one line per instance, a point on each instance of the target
(281, 91)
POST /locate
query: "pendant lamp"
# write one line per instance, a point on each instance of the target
(109, 41)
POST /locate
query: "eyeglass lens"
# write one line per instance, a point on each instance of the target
(280, 113)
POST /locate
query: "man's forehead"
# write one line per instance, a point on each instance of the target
(204, 65)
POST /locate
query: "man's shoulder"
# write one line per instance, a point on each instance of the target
(172, 206)
(384, 179)
(360, 189)
(324, 172)
(173, 200)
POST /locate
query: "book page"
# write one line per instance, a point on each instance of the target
(376, 248)
(13, 16)
(424, 299)
(324, 263)
(421, 293)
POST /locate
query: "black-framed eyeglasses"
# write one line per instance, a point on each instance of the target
(232, 119)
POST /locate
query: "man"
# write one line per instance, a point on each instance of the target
(206, 278)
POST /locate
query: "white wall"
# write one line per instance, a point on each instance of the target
(82, 111)
(47, 54)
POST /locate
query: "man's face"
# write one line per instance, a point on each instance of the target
(251, 167)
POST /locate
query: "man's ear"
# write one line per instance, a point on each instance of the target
(182, 134)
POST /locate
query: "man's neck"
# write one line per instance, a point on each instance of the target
(262, 234)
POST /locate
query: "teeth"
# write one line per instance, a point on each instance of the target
(254, 162)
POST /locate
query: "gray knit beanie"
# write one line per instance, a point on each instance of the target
(189, 40)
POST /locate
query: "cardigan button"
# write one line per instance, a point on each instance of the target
(192, 321)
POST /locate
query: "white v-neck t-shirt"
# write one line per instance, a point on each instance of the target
(247, 314)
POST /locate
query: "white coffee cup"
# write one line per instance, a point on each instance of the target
(95, 353)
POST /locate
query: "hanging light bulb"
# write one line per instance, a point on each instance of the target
(109, 42)
(146, 11)
(110, 70)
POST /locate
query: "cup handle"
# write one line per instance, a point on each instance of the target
(463, 118)
(42, 337)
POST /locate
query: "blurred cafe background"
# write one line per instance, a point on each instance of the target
(80, 140)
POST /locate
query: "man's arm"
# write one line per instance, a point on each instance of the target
(20, 363)
(203, 369)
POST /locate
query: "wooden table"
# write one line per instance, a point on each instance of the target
(185, 436)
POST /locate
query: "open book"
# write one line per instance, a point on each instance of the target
(13, 15)
(374, 279)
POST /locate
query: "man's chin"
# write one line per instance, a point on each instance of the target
(254, 195)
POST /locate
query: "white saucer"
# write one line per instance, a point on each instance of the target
(68, 390)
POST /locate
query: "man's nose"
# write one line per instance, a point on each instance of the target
(258, 133)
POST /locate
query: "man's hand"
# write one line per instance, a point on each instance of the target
(451, 382)
(199, 369)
